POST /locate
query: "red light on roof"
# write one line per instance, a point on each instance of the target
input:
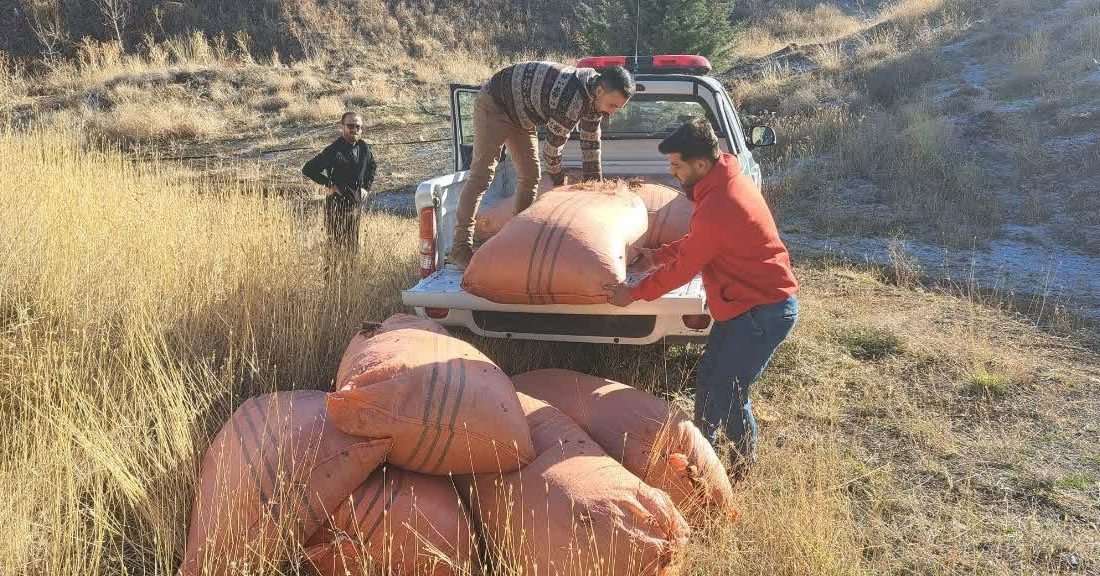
(680, 61)
(668, 63)
(601, 61)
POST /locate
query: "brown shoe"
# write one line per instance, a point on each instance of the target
(460, 256)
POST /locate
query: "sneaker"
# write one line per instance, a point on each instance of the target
(460, 256)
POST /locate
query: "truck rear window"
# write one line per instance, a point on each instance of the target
(644, 117)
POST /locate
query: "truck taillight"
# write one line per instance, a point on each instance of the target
(427, 242)
(697, 321)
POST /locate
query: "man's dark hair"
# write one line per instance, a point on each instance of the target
(618, 79)
(344, 118)
(694, 139)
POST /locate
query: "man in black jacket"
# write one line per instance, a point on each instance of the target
(346, 168)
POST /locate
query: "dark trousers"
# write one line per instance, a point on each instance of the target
(342, 229)
(738, 350)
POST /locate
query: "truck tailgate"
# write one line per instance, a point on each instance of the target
(443, 289)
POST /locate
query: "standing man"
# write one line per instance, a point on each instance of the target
(346, 168)
(509, 108)
(747, 275)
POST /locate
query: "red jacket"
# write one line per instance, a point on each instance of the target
(732, 240)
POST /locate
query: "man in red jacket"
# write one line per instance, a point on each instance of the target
(747, 275)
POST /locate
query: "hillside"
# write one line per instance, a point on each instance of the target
(295, 28)
(958, 136)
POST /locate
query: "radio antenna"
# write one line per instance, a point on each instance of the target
(637, 31)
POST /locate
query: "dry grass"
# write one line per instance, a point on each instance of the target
(1029, 59)
(863, 115)
(137, 311)
(822, 23)
(13, 83)
(911, 12)
(209, 89)
(879, 45)
(131, 122)
(921, 169)
(830, 58)
(826, 24)
(326, 109)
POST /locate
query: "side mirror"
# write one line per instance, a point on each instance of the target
(761, 136)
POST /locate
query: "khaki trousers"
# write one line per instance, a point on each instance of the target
(493, 129)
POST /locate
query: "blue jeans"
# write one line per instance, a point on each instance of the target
(738, 350)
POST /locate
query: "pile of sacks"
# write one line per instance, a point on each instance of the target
(428, 459)
(571, 242)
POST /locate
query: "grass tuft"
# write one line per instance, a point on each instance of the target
(871, 343)
(984, 381)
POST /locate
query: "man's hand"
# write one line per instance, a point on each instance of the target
(640, 260)
(334, 190)
(619, 294)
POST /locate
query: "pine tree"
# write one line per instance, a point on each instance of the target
(665, 27)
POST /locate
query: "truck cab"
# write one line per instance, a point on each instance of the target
(670, 89)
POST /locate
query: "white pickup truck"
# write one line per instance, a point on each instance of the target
(670, 90)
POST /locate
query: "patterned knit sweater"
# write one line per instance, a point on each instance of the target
(558, 96)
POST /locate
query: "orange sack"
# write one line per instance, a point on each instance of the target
(669, 214)
(564, 249)
(489, 221)
(655, 441)
(574, 510)
(400, 523)
(445, 405)
(268, 480)
(370, 329)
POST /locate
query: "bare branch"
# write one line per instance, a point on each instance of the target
(44, 17)
(115, 14)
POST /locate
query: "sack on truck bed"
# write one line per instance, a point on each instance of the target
(574, 510)
(398, 522)
(669, 214)
(564, 249)
(445, 405)
(269, 479)
(656, 441)
(489, 221)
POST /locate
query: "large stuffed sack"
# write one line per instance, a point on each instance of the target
(370, 329)
(269, 479)
(565, 249)
(490, 219)
(574, 510)
(400, 523)
(656, 441)
(669, 213)
(447, 408)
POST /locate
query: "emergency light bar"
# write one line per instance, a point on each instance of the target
(669, 63)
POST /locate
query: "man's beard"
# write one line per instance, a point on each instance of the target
(689, 189)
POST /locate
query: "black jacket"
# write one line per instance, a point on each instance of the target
(337, 164)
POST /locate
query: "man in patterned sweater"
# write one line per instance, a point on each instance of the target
(509, 108)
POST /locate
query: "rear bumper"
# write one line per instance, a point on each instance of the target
(640, 323)
(636, 329)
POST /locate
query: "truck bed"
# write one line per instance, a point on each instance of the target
(443, 289)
